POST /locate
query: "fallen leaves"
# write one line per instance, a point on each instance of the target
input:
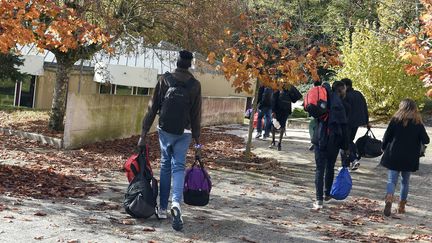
(246, 239)
(40, 214)
(128, 221)
(38, 182)
(149, 229)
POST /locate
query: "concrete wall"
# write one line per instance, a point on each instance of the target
(45, 86)
(92, 118)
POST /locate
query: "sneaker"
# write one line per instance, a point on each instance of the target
(279, 147)
(355, 165)
(327, 198)
(177, 219)
(317, 205)
(258, 135)
(161, 214)
(272, 145)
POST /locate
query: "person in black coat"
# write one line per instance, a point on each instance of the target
(330, 137)
(281, 109)
(401, 145)
(358, 116)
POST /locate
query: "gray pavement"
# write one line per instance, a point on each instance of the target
(246, 206)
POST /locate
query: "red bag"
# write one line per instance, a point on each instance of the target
(315, 102)
(133, 162)
(255, 121)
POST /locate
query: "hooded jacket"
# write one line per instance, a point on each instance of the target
(358, 115)
(194, 120)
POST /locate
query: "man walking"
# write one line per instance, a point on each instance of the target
(177, 99)
(358, 116)
(329, 138)
(265, 95)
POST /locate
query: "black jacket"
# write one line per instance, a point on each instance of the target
(333, 133)
(194, 121)
(276, 105)
(358, 114)
(401, 146)
(261, 103)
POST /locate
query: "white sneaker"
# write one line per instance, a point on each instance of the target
(161, 214)
(317, 205)
(355, 165)
(177, 219)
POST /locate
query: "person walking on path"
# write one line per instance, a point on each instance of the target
(330, 136)
(281, 108)
(357, 116)
(177, 100)
(401, 145)
(265, 95)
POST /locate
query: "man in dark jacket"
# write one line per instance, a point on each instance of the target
(177, 100)
(281, 109)
(330, 136)
(358, 116)
(265, 95)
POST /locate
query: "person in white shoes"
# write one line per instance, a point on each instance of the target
(177, 100)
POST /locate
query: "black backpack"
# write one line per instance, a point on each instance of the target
(295, 95)
(142, 192)
(284, 100)
(266, 99)
(175, 106)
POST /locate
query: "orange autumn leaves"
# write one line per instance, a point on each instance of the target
(418, 48)
(49, 25)
(263, 51)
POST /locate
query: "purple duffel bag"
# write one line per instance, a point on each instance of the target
(197, 185)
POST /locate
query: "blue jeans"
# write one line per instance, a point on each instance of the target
(173, 159)
(392, 182)
(267, 114)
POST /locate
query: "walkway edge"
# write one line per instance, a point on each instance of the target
(56, 142)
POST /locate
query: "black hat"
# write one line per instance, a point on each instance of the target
(185, 60)
(186, 55)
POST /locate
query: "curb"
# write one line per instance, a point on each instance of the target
(298, 123)
(56, 142)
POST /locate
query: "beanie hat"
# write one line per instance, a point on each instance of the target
(185, 59)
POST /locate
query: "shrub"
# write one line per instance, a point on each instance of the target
(378, 72)
(299, 113)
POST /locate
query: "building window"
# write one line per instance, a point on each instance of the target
(141, 91)
(123, 90)
(106, 89)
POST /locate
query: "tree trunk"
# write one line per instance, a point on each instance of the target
(251, 128)
(58, 107)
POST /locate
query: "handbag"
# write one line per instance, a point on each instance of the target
(368, 146)
(197, 185)
(342, 186)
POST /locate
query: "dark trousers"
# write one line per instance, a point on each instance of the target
(325, 159)
(347, 159)
(326, 152)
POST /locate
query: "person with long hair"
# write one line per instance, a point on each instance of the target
(401, 145)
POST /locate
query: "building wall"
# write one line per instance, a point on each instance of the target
(213, 84)
(46, 83)
(92, 118)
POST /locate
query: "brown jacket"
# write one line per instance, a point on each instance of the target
(194, 122)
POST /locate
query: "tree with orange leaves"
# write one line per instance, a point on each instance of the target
(418, 48)
(58, 27)
(263, 53)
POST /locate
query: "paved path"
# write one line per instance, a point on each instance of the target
(246, 206)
